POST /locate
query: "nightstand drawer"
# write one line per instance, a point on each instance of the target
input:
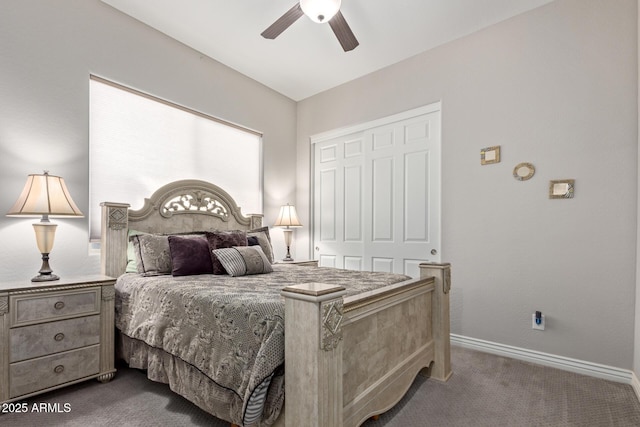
(32, 341)
(32, 308)
(38, 374)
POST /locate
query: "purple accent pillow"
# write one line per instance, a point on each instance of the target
(224, 239)
(190, 256)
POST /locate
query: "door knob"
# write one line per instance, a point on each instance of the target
(434, 252)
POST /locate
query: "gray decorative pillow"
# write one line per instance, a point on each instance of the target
(265, 230)
(243, 260)
(153, 256)
(264, 240)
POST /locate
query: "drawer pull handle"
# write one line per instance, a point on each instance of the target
(58, 369)
(59, 336)
(59, 305)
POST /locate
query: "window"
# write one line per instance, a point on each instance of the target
(138, 143)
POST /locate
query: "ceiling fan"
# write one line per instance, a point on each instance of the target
(319, 11)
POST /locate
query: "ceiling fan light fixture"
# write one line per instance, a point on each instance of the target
(320, 10)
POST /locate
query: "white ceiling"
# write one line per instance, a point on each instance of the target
(306, 58)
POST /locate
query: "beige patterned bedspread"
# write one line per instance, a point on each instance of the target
(231, 329)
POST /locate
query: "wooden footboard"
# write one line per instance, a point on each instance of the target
(348, 359)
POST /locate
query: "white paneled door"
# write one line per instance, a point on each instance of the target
(377, 194)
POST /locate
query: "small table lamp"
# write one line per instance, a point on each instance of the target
(288, 218)
(45, 195)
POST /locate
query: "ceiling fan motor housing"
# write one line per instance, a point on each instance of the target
(320, 10)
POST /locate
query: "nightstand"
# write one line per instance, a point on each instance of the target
(54, 334)
(304, 263)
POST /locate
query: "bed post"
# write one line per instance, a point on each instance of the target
(441, 368)
(313, 354)
(256, 221)
(113, 240)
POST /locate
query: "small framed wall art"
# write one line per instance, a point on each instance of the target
(523, 171)
(490, 155)
(561, 189)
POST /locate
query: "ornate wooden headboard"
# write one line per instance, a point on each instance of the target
(178, 207)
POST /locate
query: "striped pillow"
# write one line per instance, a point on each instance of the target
(243, 260)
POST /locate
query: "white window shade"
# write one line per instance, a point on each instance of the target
(138, 144)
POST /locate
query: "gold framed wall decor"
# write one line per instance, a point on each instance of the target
(490, 155)
(524, 171)
(561, 189)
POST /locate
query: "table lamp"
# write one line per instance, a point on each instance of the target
(45, 195)
(288, 218)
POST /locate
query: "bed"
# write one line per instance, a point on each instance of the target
(354, 341)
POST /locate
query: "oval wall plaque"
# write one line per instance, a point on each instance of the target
(523, 171)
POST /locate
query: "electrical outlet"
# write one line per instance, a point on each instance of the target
(534, 325)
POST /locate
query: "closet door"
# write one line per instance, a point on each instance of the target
(377, 196)
(339, 216)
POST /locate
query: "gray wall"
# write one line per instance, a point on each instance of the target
(47, 51)
(556, 87)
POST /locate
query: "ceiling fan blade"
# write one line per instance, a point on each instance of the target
(283, 22)
(343, 32)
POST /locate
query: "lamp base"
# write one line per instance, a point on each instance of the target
(45, 278)
(46, 274)
(288, 257)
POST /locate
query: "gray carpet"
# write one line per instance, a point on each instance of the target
(485, 390)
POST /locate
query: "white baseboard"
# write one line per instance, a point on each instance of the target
(565, 363)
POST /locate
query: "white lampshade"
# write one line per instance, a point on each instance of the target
(320, 10)
(45, 195)
(288, 217)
